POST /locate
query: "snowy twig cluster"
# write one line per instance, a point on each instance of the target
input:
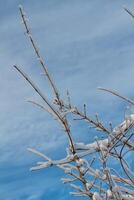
(99, 170)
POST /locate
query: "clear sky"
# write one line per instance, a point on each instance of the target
(86, 44)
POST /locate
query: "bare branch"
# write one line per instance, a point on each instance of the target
(117, 94)
(38, 54)
(129, 12)
(91, 164)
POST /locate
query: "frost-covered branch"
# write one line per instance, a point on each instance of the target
(99, 170)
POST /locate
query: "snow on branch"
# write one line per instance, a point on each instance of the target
(100, 170)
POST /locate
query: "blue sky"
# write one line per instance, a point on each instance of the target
(85, 44)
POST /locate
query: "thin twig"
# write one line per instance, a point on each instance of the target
(38, 54)
(129, 12)
(55, 112)
(117, 94)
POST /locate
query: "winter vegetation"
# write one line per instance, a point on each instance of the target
(101, 170)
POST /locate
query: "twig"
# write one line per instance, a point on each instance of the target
(117, 94)
(129, 12)
(38, 54)
(56, 113)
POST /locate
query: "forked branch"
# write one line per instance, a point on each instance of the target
(90, 164)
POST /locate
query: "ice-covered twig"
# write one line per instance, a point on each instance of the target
(129, 12)
(41, 60)
(97, 179)
(117, 94)
(39, 154)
